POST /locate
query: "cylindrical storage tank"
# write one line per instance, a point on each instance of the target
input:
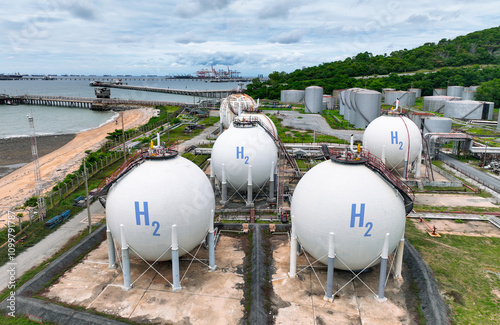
(367, 106)
(242, 145)
(231, 105)
(397, 136)
(292, 96)
(314, 99)
(455, 91)
(384, 90)
(264, 119)
(329, 101)
(472, 88)
(439, 92)
(351, 104)
(354, 203)
(417, 91)
(436, 124)
(435, 103)
(464, 109)
(488, 110)
(342, 105)
(406, 98)
(154, 196)
(468, 95)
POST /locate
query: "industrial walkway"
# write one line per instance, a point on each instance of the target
(477, 175)
(50, 245)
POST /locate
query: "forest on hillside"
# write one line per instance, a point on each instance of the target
(466, 60)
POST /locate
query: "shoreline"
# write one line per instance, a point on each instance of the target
(19, 185)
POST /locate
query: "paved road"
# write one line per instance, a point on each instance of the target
(480, 176)
(50, 245)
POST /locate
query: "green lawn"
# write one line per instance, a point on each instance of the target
(467, 270)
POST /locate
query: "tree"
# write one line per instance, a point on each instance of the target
(488, 91)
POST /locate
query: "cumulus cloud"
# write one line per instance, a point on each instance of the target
(193, 8)
(80, 9)
(276, 9)
(290, 37)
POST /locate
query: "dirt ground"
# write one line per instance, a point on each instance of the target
(462, 228)
(455, 200)
(19, 185)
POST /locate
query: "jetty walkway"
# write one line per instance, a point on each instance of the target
(98, 104)
(223, 93)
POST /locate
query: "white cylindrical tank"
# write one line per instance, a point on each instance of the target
(384, 90)
(468, 95)
(329, 101)
(397, 135)
(435, 103)
(464, 109)
(354, 203)
(292, 96)
(367, 105)
(263, 118)
(242, 145)
(406, 98)
(436, 124)
(417, 91)
(455, 91)
(472, 88)
(154, 196)
(314, 99)
(439, 92)
(231, 105)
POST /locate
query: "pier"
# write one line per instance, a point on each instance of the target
(197, 93)
(98, 104)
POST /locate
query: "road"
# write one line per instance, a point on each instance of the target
(483, 177)
(33, 256)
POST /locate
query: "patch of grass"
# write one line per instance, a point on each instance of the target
(467, 270)
(464, 209)
(19, 320)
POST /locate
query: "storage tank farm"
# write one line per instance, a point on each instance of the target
(155, 195)
(396, 140)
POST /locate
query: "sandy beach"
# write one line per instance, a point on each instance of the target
(63, 157)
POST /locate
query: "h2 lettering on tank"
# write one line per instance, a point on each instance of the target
(361, 222)
(394, 140)
(240, 154)
(145, 213)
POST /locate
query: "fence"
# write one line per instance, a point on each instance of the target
(54, 197)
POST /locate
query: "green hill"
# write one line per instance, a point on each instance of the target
(465, 60)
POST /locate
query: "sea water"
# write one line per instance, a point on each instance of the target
(66, 120)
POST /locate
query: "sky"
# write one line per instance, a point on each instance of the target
(163, 37)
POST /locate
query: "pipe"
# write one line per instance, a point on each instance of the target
(111, 249)
(212, 174)
(126, 260)
(176, 284)
(383, 269)
(158, 139)
(352, 143)
(331, 263)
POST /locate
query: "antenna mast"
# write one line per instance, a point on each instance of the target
(38, 177)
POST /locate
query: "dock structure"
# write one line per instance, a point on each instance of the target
(219, 93)
(98, 104)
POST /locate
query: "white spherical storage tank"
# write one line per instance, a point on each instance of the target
(231, 105)
(395, 135)
(354, 203)
(314, 99)
(154, 196)
(243, 145)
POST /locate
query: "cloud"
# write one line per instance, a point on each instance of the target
(276, 9)
(193, 8)
(290, 37)
(80, 9)
(188, 38)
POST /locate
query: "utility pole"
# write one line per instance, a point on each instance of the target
(85, 177)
